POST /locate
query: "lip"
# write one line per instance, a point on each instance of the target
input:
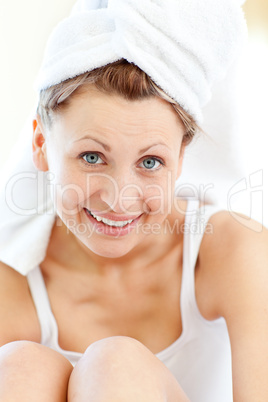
(102, 228)
(111, 217)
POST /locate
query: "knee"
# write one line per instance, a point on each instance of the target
(118, 347)
(118, 351)
(20, 358)
(116, 363)
(32, 372)
(122, 368)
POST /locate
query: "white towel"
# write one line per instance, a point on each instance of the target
(184, 45)
(26, 211)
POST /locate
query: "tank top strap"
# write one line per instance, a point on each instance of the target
(196, 225)
(47, 321)
(39, 294)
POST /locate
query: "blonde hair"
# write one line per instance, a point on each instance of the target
(122, 78)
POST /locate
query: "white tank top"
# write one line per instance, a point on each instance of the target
(200, 358)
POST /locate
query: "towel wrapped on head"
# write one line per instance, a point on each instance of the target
(184, 46)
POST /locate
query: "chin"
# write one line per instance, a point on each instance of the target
(114, 249)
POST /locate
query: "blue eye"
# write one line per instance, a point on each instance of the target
(151, 163)
(92, 158)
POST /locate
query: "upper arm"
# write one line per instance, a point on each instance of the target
(234, 264)
(18, 318)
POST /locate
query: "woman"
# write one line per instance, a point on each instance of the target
(149, 297)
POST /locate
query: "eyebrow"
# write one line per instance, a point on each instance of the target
(108, 148)
(87, 137)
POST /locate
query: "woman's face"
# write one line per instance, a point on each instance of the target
(114, 164)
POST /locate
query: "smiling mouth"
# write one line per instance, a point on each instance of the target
(108, 222)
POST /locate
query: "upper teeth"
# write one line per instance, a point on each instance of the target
(112, 223)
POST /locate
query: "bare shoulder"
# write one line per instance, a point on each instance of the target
(17, 314)
(232, 230)
(234, 253)
(12, 284)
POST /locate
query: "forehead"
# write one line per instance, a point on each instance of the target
(92, 109)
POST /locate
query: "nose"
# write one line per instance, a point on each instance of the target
(123, 194)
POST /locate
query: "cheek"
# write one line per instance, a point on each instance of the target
(159, 196)
(69, 191)
(75, 190)
(67, 199)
